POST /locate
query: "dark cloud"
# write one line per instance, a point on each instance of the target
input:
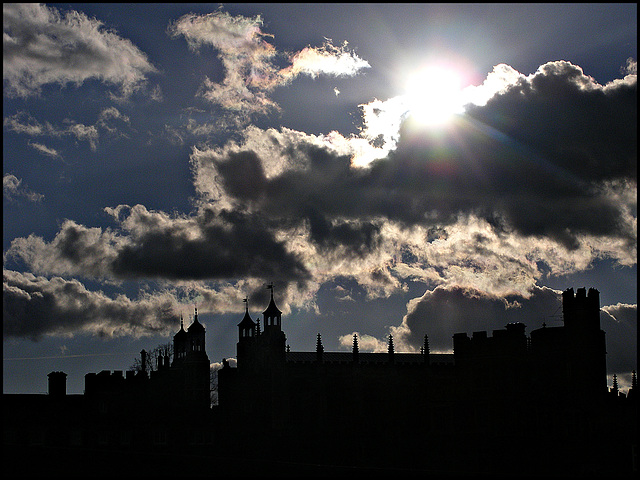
(34, 306)
(359, 238)
(218, 246)
(211, 245)
(444, 311)
(535, 159)
(577, 126)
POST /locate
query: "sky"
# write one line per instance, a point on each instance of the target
(392, 169)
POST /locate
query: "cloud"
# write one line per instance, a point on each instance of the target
(109, 120)
(156, 245)
(366, 343)
(12, 187)
(581, 127)
(485, 205)
(42, 46)
(245, 56)
(249, 60)
(620, 322)
(43, 149)
(325, 60)
(549, 157)
(35, 306)
(444, 311)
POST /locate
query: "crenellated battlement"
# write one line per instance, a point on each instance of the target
(582, 309)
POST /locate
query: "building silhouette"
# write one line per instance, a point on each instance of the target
(507, 403)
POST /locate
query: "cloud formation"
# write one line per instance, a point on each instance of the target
(42, 46)
(443, 311)
(110, 121)
(12, 187)
(549, 158)
(156, 245)
(539, 176)
(34, 306)
(249, 60)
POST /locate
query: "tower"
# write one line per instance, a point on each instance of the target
(585, 343)
(180, 344)
(247, 334)
(190, 367)
(57, 384)
(272, 340)
(196, 336)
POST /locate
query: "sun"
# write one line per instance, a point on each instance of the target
(434, 95)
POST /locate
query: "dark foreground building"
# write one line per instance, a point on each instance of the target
(504, 404)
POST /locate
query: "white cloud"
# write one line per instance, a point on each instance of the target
(325, 60)
(248, 60)
(366, 343)
(43, 149)
(12, 187)
(42, 46)
(25, 124)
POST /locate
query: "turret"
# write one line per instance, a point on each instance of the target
(180, 343)
(247, 337)
(273, 339)
(272, 315)
(196, 336)
(582, 310)
(195, 367)
(247, 327)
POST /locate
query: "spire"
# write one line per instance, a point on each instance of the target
(614, 389)
(425, 349)
(391, 349)
(633, 379)
(319, 348)
(356, 348)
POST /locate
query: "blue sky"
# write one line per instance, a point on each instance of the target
(392, 169)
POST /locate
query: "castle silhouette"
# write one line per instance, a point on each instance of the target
(505, 404)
